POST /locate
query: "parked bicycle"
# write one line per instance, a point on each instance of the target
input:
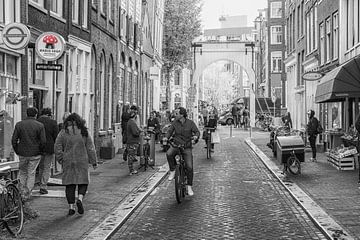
(11, 206)
(146, 149)
(292, 164)
(208, 139)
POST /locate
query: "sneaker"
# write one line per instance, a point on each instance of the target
(43, 191)
(80, 207)
(71, 212)
(133, 172)
(189, 190)
(312, 159)
(171, 175)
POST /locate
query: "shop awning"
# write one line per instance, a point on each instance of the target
(339, 83)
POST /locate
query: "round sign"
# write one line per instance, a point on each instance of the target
(50, 46)
(16, 36)
(312, 76)
(273, 90)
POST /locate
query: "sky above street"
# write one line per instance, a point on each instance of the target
(213, 9)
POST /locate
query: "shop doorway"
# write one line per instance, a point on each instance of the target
(38, 98)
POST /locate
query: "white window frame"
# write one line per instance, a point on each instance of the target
(322, 43)
(274, 12)
(10, 11)
(110, 9)
(75, 11)
(276, 67)
(336, 36)
(275, 34)
(39, 3)
(328, 38)
(85, 15)
(59, 6)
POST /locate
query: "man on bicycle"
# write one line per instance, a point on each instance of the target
(183, 131)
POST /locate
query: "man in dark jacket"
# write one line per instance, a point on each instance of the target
(132, 138)
(51, 131)
(124, 120)
(28, 142)
(312, 132)
(234, 113)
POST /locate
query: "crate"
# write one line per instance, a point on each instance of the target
(286, 144)
(345, 163)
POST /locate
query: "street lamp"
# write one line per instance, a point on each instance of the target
(195, 45)
(252, 91)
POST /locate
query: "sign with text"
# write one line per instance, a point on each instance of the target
(49, 67)
(16, 36)
(50, 46)
(312, 76)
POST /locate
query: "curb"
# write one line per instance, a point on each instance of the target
(327, 225)
(106, 228)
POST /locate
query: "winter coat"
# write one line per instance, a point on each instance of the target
(132, 132)
(51, 131)
(75, 152)
(312, 126)
(29, 138)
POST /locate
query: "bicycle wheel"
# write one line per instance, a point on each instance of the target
(293, 164)
(14, 212)
(178, 184)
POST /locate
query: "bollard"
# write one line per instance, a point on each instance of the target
(231, 130)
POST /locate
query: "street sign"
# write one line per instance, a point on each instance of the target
(16, 36)
(312, 76)
(273, 98)
(50, 46)
(49, 67)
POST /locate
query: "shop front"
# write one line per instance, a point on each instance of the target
(338, 94)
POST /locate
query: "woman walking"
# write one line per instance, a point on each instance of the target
(75, 150)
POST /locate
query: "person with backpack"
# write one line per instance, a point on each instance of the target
(313, 128)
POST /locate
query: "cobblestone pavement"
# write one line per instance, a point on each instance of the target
(235, 198)
(335, 191)
(109, 185)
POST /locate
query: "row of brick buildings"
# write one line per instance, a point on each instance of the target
(112, 56)
(298, 37)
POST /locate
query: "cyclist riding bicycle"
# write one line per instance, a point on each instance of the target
(182, 131)
(212, 123)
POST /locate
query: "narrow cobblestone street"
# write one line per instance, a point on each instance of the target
(235, 198)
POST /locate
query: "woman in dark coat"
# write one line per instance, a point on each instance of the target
(154, 123)
(75, 150)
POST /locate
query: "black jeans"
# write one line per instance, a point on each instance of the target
(70, 191)
(188, 157)
(312, 140)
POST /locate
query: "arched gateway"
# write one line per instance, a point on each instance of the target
(240, 52)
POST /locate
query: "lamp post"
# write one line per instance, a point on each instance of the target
(195, 111)
(252, 91)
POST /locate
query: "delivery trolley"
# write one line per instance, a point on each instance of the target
(290, 151)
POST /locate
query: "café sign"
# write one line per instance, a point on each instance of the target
(50, 46)
(312, 76)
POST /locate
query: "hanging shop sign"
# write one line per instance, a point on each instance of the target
(49, 67)
(16, 36)
(312, 76)
(50, 46)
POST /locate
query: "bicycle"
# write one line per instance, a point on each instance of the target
(11, 205)
(208, 140)
(292, 164)
(180, 172)
(146, 150)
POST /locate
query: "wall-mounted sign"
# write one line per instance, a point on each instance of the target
(50, 46)
(49, 67)
(312, 76)
(16, 36)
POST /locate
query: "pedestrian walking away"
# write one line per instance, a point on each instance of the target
(182, 130)
(132, 139)
(28, 142)
(51, 131)
(75, 150)
(312, 131)
(124, 120)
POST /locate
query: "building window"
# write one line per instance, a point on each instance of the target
(336, 35)
(177, 78)
(276, 10)
(85, 14)
(328, 39)
(276, 34)
(56, 7)
(276, 62)
(8, 11)
(111, 10)
(75, 11)
(353, 22)
(102, 6)
(322, 43)
(40, 3)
